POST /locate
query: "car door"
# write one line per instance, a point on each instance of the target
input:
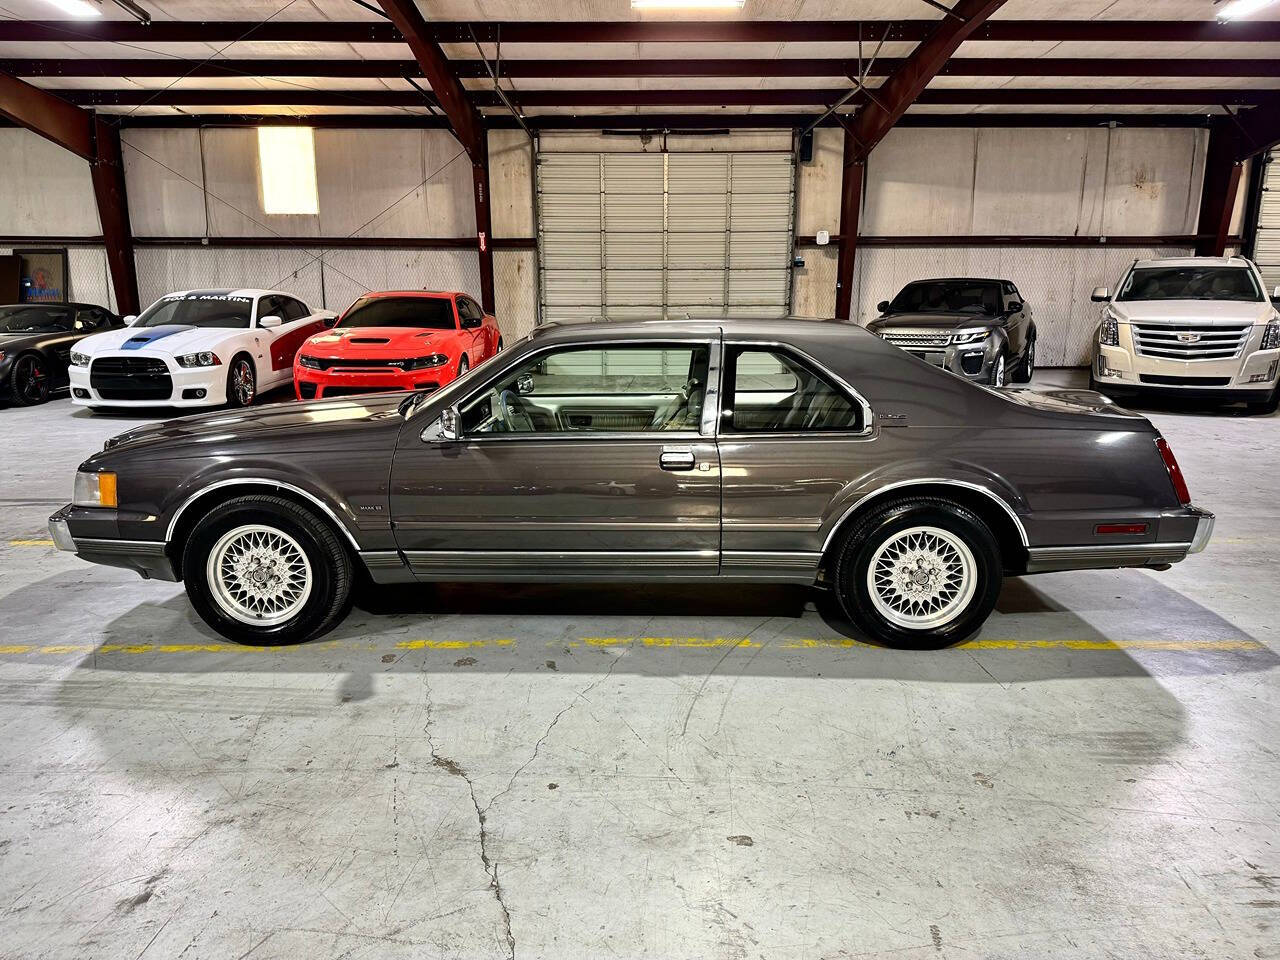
(471, 322)
(297, 324)
(1019, 323)
(573, 462)
(789, 436)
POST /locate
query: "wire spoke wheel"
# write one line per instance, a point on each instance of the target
(30, 381)
(259, 575)
(922, 578)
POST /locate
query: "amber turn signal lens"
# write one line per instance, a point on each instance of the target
(107, 489)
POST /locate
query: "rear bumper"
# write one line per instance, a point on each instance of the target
(1197, 524)
(148, 558)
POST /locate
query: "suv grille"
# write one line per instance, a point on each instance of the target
(131, 378)
(1189, 343)
(917, 338)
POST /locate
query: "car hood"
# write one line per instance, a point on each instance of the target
(933, 321)
(12, 341)
(393, 342)
(283, 426)
(173, 339)
(1199, 313)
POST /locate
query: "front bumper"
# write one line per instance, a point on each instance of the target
(311, 384)
(972, 361)
(148, 558)
(191, 387)
(1252, 375)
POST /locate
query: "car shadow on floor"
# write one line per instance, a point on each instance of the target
(1137, 629)
(275, 395)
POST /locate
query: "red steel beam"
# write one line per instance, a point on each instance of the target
(684, 67)
(721, 31)
(855, 166)
(464, 119)
(998, 96)
(93, 139)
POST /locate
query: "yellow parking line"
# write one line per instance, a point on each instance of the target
(686, 643)
(45, 542)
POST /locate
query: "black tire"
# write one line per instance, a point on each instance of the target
(999, 375)
(29, 380)
(499, 350)
(1270, 405)
(329, 563)
(463, 365)
(974, 599)
(1027, 363)
(242, 382)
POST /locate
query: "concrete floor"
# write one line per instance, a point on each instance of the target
(473, 772)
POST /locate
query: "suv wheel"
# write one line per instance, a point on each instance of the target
(998, 371)
(263, 570)
(919, 572)
(1027, 365)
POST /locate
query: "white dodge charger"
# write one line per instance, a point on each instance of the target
(197, 348)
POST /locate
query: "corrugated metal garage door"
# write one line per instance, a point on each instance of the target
(1266, 249)
(665, 234)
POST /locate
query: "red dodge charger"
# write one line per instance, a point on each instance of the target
(403, 340)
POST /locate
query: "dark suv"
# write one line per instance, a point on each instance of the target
(978, 329)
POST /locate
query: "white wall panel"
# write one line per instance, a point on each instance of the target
(515, 288)
(1153, 181)
(920, 183)
(1029, 181)
(235, 197)
(511, 184)
(44, 189)
(818, 184)
(164, 177)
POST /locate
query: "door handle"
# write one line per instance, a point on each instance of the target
(676, 458)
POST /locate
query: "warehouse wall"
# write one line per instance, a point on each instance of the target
(515, 271)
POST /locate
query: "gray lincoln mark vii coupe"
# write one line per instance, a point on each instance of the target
(786, 450)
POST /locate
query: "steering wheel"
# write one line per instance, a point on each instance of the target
(513, 413)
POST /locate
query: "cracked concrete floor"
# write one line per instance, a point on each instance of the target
(584, 772)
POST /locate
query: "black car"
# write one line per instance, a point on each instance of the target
(979, 329)
(35, 345)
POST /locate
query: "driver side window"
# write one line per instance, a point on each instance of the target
(610, 390)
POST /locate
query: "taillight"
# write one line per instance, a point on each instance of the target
(1175, 472)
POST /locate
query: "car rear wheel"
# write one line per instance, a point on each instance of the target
(1027, 365)
(29, 381)
(919, 572)
(264, 571)
(242, 382)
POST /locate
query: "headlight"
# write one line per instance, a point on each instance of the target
(1271, 336)
(421, 363)
(202, 359)
(1109, 331)
(969, 336)
(311, 363)
(95, 490)
(79, 359)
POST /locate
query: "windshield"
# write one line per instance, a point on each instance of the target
(200, 310)
(1191, 283)
(430, 313)
(33, 317)
(947, 296)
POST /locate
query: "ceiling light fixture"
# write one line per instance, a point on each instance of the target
(77, 8)
(1239, 9)
(687, 4)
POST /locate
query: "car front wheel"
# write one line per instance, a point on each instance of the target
(242, 382)
(998, 371)
(919, 572)
(265, 571)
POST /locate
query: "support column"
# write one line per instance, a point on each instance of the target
(850, 206)
(1222, 172)
(107, 172)
(484, 226)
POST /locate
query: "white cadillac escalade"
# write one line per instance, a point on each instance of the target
(1202, 326)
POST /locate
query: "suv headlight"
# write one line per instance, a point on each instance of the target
(202, 359)
(79, 359)
(969, 336)
(421, 363)
(95, 490)
(1271, 336)
(1109, 331)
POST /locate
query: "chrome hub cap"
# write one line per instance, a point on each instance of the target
(922, 578)
(259, 575)
(243, 381)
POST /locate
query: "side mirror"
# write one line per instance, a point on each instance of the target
(449, 421)
(882, 306)
(1100, 295)
(1275, 294)
(524, 385)
(270, 321)
(1015, 306)
(129, 320)
(330, 322)
(470, 323)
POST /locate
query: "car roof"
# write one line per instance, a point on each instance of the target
(780, 328)
(55, 303)
(415, 294)
(247, 292)
(1195, 262)
(958, 280)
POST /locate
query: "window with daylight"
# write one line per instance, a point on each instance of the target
(287, 170)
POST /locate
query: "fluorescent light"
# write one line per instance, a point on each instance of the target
(287, 170)
(687, 4)
(77, 8)
(1237, 9)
